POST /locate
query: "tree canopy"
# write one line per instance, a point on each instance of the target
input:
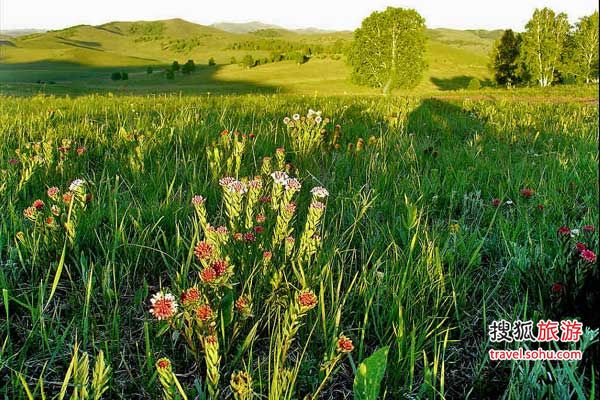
(388, 49)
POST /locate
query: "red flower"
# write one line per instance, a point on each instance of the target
(557, 287)
(204, 312)
(163, 363)
(203, 250)
(588, 256)
(80, 150)
(38, 204)
(163, 305)
(580, 246)
(89, 197)
(265, 199)
(67, 197)
(564, 231)
(13, 161)
(540, 207)
(496, 202)
(267, 255)
(238, 236)
(307, 299)
(208, 275)
(259, 229)
(527, 193)
(589, 228)
(220, 267)
(251, 136)
(190, 296)
(260, 218)
(249, 237)
(224, 132)
(344, 345)
(52, 192)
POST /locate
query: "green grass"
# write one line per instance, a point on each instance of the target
(414, 256)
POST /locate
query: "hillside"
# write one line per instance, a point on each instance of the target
(85, 55)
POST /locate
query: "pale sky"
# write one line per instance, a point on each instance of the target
(327, 14)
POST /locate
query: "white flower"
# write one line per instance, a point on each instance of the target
(226, 181)
(574, 232)
(319, 191)
(292, 184)
(76, 184)
(296, 117)
(509, 202)
(237, 187)
(318, 120)
(280, 177)
(286, 120)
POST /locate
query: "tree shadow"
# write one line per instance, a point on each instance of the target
(69, 78)
(457, 82)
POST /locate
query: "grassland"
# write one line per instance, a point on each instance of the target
(414, 254)
(80, 60)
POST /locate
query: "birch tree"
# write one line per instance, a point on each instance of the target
(582, 58)
(388, 50)
(543, 44)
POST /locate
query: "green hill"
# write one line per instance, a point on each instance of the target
(82, 58)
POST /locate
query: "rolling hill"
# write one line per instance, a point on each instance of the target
(83, 57)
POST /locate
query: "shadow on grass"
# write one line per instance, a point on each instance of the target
(73, 79)
(457, 82)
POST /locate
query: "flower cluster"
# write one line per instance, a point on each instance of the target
(308, 132)
(226, 153)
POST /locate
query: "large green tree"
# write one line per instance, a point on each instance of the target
(505, 59)
(543, 44)
(388, 49)
(582, 56)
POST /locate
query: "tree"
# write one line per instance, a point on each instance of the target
(582, 55)
(506, 60)
(543, 44)
(149, 70)
(211, 62)
(169, 74)
(233, 60)
(474, 84)
(188, 67)
(124, 76)
(388, 49)
(248, 61)
(175, 66)
(115, 76)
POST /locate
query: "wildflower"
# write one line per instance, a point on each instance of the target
(76, 184)
(52, 192)
(259, 229)
(296, 117)
(38, 204)
(564, 231)
(80, 150)
(279, 177)
(255, 183)
(527, 192)
(163, 364)
(211, 340)
(290, 207)
(557, 287)
(89, 197)
(251, 136)
(13, 161)
(588, 256)
(224, 132)
(260, 218)
(307, 300)
(67, 197)
(580, 246)
(588, 228)
(292, 184)
(30, 213)
(290, 240)
(163, 305)
(265, 199)
(574, 232)
(238, 236)
(226, 181)
(286, 120)
(320, 192)
(318, 120)
(55, 210)
(64, 149)
(49, 221)
(204, 312)
(344, 345)
(280, 151)
(317, 205)
(496, 202)
(203, 250)
(208, 274)
(237, 187)
(222, 230)
(509, 202)
(189, 296)
(249, 237)
(267, 255)
(197, 200)
(220, 267)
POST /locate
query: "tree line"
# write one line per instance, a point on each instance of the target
(549, 51)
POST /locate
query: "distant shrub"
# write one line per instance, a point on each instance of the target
(149, 70)
(170, 74)
(175, 66)
(116, 76)
(300, 58)
(124, 76)
(232, 60)
(188, 67)
(211, 62)
(474, 84)
(248, 61)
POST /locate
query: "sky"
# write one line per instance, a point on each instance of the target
(326, 14)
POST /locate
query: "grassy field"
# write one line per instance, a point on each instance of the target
(442, 216)
(80, 60)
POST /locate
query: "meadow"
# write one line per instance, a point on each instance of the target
(432, 217)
